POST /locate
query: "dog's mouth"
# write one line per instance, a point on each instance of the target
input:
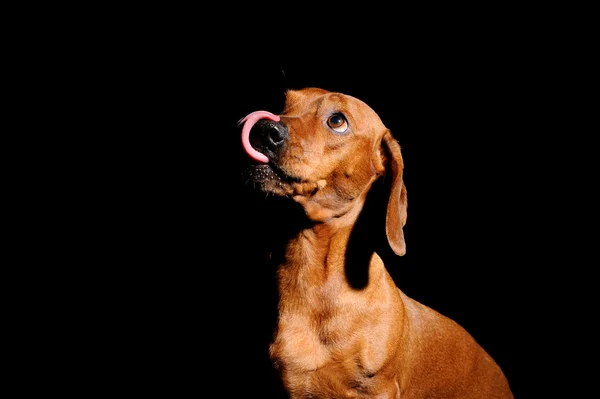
(269, 178)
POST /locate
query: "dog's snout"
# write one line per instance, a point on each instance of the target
(269, 135)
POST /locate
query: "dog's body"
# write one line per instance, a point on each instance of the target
(337, 337)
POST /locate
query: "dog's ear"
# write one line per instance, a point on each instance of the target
(397, 202)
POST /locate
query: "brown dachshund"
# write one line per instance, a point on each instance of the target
(336, 336)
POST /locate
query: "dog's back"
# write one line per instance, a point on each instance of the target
(437, 345)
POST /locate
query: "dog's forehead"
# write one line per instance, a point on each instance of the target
(322, 101)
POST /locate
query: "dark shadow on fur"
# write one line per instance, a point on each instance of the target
(368, 235)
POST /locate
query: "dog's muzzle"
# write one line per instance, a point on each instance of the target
(268, 135)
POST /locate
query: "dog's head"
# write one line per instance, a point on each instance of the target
(324, 151)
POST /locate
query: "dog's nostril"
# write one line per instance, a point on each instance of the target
(277, 134)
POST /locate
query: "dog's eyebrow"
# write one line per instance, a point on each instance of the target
(336, 99)
(319, 105)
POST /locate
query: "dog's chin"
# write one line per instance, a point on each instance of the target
(271, 180)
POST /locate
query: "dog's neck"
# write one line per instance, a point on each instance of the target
(316, 262)
(320, 246)
(316, 253)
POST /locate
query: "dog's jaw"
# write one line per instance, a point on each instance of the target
(270, 180)
(320, 200)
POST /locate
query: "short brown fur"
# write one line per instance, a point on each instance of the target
(333, 339)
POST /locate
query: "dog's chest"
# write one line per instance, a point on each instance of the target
(312, 333)
(299, 347)
(308, 365)
(315, 357)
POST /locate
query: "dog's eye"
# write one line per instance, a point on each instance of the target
(338, 123)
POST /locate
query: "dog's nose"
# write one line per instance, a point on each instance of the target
(269, 135)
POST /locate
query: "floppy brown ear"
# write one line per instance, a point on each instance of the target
(397, 202)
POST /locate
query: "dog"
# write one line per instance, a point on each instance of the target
(344, 329)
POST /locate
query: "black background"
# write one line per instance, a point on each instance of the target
(186, 304)
(141, 274)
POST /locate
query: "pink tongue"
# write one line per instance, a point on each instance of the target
(249, 121)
